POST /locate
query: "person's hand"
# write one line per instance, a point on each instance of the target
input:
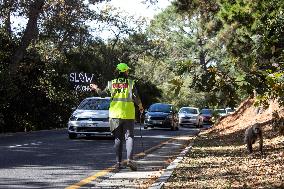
(141, 109)
(94, 87)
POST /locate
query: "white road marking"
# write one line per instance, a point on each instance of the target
(27, 144)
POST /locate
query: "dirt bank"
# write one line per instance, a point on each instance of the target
(219, 158)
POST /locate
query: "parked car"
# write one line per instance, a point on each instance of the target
(161, 115)
(221, 112)
(91, 117)
(207, 115)
(230, 110)
(190, 116)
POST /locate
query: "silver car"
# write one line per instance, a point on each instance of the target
(190, 116)
(221, 112)
(230, 110)
(90, 118)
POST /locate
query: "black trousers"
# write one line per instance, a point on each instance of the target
(124, 131)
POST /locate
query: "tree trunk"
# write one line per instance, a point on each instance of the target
(7, 6)
(30, 33)
(202, 59)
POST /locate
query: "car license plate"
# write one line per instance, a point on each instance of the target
(157, 122)
(91, 125)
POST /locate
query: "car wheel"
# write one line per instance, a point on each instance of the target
(200, 124)
(112, 137)
(145, 127)
(72, 135)
(177, 127)
(197, 125)
(173, 127)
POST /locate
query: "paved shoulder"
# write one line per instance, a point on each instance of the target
(151, 166)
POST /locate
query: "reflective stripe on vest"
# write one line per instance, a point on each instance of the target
(122, 99)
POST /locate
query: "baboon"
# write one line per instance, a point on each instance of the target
(251, 135)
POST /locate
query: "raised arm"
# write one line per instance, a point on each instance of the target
(100, 92)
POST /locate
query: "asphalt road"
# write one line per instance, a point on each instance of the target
(49, 159)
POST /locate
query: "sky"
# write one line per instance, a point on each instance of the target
(135, 8)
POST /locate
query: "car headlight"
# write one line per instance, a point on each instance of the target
(73, 118)
(181, 115)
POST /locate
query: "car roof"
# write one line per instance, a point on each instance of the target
(189, 107)
(97, 97)
(162, 103)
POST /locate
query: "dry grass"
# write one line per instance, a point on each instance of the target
(219, 159)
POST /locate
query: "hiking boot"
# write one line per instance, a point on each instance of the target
(119, 166)
(131, 165)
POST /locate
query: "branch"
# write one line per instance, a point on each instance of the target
(30, 33)
(7, 6)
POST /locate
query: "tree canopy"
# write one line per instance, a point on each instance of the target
(196, 52)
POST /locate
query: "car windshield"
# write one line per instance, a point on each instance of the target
(221, 111)
(206, 111)
(160, 108)
(230, 110)
(188, 111)
(94, 104)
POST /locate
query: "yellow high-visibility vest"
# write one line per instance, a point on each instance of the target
(122, 105)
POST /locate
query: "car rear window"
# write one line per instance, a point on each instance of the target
(160, 108)
(94, 104)
(222, 111)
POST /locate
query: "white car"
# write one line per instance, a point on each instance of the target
(190, 116)
(230, 110)
(90, 118)
(221, 112)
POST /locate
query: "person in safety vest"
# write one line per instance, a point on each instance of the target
(122, 112)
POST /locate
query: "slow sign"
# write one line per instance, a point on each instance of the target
(81, 81)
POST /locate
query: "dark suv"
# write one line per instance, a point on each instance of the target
(161, 115)
(207, 115)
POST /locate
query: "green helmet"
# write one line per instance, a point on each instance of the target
(122, 67)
